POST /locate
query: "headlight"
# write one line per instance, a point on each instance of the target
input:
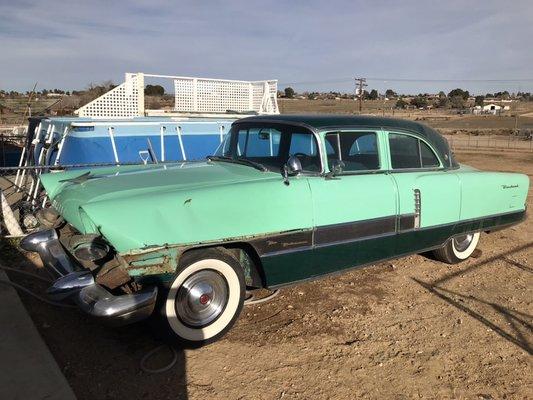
(88, 248)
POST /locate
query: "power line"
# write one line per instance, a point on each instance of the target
(344, 80)
(449, 80)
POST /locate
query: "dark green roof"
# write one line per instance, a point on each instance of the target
(322, 121)
(319, 121)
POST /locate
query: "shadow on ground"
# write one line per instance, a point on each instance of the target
(107, 357)
(512, 325)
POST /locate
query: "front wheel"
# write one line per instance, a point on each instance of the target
(458, 248)
(205, 297)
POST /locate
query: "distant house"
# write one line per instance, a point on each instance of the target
(492, 108)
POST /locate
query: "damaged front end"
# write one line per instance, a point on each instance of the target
(91, 275)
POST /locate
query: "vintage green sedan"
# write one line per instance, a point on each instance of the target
(284, 199)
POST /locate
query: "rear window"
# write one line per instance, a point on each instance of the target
(407, 152)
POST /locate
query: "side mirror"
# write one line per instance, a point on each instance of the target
(292, 168)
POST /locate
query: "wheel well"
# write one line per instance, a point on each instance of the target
(247, 257)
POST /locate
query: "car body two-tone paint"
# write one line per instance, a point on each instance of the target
(316, 225)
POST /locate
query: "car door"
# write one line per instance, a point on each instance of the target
(278, 208)
(428, 193)
(354, 211)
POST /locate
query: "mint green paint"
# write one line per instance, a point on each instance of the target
(199, 202)
(352, 198)
(486, 193)
(160, 208)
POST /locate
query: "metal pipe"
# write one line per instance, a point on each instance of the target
(183, 156)
(112, 137)
(60, 145)
(162, 130)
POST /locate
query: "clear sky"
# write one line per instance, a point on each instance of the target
(310, 45)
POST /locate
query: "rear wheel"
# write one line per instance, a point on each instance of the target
(458, 248)
(205, 297)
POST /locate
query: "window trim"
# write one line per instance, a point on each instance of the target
(421, 168)
(279, 126)
(379, 169)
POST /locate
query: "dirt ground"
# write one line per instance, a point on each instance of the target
(411, 328)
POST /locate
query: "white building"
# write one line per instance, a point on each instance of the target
(492, 108)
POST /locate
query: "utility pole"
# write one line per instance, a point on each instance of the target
(360, 84)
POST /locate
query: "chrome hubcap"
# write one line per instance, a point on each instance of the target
(201, 298)
(462, 242)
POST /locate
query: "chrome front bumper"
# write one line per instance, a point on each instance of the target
(79, 285)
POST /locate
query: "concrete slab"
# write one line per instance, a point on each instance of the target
(27, 368)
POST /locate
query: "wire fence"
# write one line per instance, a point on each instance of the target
(480, 143)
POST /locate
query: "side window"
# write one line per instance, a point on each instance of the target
(303, 146)
(364, 144)
(257, 142)
(303, 143)
(410, 152)
(358, 151)
(330, 151)
(429, 159)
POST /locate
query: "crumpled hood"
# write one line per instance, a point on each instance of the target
(76, 194)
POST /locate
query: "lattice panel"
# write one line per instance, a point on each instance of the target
(184, 94)
(126, 100)
(219, 96)
(265, 102)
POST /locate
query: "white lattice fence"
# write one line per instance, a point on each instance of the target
(126, 100)
(192, 95)
(219, 96)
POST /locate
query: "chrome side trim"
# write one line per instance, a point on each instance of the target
(418, 208)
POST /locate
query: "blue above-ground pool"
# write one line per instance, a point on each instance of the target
(73, 141)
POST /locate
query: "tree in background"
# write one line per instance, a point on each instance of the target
(401, 103)
(502, 95)
(457, 102)
(443, 101)
(419, 101)
(479, 100)
(389, 93)
(154, 90)
(289, 92)
(95, 90)
(459, 92)
(373, 95)
(442, 94)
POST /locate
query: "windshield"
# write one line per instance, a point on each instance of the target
(271, 145)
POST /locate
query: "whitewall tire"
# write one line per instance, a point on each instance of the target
(205, 297)
(458, 248)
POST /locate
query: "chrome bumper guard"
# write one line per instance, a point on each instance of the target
(79, 285)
